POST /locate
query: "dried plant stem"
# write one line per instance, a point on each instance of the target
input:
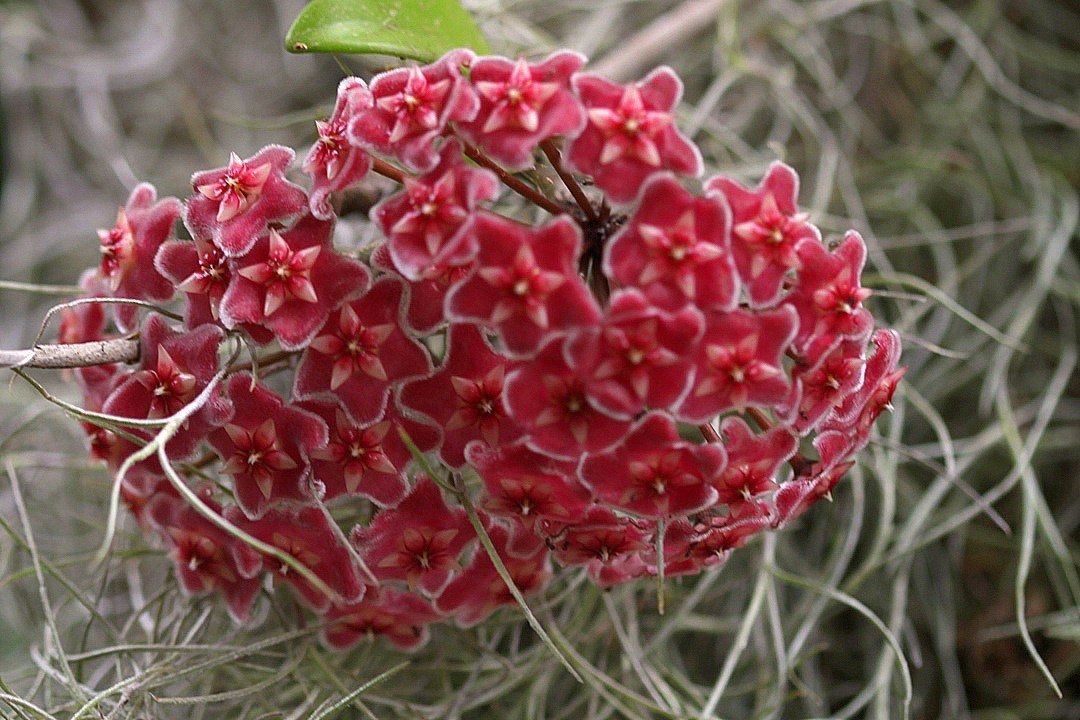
(73, 355)
(639, 51)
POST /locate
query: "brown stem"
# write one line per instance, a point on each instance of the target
(711, 436)
(73, 355)
(555, 158)
(517, 185)
(387, 170)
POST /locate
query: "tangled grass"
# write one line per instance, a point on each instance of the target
(941, 582)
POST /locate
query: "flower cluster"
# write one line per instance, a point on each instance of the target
(638, 384)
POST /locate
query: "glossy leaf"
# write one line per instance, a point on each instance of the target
(417, 29)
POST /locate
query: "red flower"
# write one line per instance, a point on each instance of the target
(639, 357)
(361, 353)
(400, 617)
(202, 272)
(308, 535)
(333, 163)
(418, 541)
(128, 249)
(675, 249)
(235, 205)
(479, 590)
(205, 557)
(631, 133)
(527, 486)
(739, 363)
(522, 104)
(173, 368)
(367, 460)
(424, 312)
(795, 497)
(465, 395)
(266, 447)
(608, 545)
(526, 284)
(767, 229)
(546, 397)
(752, 461)
(291, 282)
(719, 535)
(828, 297)
(427, 224)
(822, 388)
(652, 473)
(413, 106)
(847, 430)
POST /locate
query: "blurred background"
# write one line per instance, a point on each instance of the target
(945, 132)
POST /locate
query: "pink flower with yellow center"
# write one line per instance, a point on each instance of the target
(170, 386)
(237, 187)
(117, 250)
(285, 274)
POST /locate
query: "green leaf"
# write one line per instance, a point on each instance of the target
(418, 29)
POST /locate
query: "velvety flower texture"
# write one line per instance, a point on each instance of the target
(631, 133)
(127, 268)
(235, 204)
(625, 375)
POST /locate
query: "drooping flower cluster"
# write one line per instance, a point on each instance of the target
(637, 372)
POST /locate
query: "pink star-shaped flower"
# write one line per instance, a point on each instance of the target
(465, 395)
(822, 388)
(526, 485)
(753, 460)
(234, 205)
(546, 397)
(424, 305)
(418, 542)
(848, 428)
(479, 590)
(174, 368)
(652, 473)
(413, 106)
(631, 133)
(608, 545)
(767, 230)
(525, 285)
(640, 356)
(427, 224)
(308, 535)
(333, 163)
(205, 557)
(399, 617)
(291, 282)
(202, 272)
(675, 249)
(795, 497)
(828, 297)
(128, 249)
(266, 447)
(368, 460)
(738, 363)
(522, 104)
(720, 534)
(362, 353)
